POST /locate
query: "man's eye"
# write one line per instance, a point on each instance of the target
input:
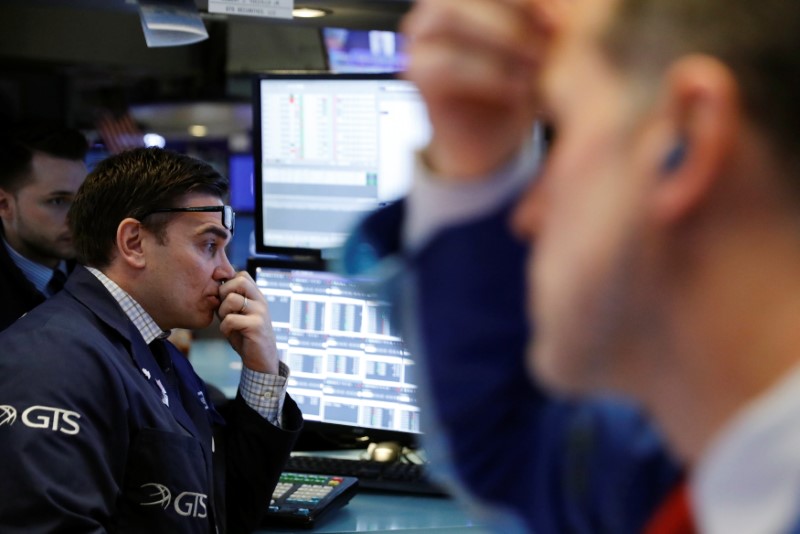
(211, 247)
(58, 201)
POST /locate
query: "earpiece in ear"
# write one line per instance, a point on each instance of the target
(675, 157)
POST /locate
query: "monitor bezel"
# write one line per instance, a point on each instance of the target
(260, 246)
(317, 435)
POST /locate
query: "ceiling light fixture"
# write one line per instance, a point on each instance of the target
(154, 139)
(198, 130)
(310, 13)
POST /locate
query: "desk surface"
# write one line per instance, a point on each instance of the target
(382, 512)
(367, 511)
(374, 511)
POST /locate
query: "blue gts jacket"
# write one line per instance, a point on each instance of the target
(88, 443)
(523, 460)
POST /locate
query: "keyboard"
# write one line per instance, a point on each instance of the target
(300, 499)
(398, 477)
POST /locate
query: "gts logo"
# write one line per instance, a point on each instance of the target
(46, 417)
(187, 504)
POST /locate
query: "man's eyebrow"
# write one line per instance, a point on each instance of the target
(216, 230)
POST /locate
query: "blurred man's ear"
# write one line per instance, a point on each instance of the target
(703, 111)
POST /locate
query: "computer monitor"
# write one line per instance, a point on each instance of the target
(349, 50)
(351, 374)
(329, 149)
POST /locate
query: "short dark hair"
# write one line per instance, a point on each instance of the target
(133, 184)
(19, 141)
(757, 40)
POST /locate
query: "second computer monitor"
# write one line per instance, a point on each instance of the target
(351, 374)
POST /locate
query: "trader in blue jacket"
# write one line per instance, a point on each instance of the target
(104, 425)
(666, 229)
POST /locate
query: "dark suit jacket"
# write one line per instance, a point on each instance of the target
(98, 437)
(18, 294)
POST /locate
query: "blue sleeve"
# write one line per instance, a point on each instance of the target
(529, 461)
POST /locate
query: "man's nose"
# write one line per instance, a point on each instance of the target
(225, 270)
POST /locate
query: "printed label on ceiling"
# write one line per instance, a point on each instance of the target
(280, 9)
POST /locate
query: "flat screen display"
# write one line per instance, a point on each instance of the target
(329, 149)
(350, 369)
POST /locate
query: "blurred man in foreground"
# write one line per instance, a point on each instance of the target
(666, 227)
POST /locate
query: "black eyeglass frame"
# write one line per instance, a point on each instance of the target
(228, 215)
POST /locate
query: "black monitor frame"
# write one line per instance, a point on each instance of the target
(261, 248)
(319, 435)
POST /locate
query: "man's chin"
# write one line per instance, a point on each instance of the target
(67, 253)
(198, 322)
(205, 322)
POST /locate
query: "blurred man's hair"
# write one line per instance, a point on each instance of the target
(18, 143)
(758, 40)
(133, 184)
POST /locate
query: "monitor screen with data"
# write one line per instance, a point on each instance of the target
(351, 374)
(329, 148)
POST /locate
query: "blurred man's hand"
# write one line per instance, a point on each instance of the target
(477, 63)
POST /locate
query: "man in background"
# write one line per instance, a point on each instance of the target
(663, 265)
(41, 168)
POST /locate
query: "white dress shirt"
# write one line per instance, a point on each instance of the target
(748, 482)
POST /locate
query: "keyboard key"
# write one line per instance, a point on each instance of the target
(385, 476)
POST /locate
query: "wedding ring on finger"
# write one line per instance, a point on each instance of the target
(244, 305)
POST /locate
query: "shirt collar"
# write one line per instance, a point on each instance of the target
(38, 275)
(138, 316)
(747, 481)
